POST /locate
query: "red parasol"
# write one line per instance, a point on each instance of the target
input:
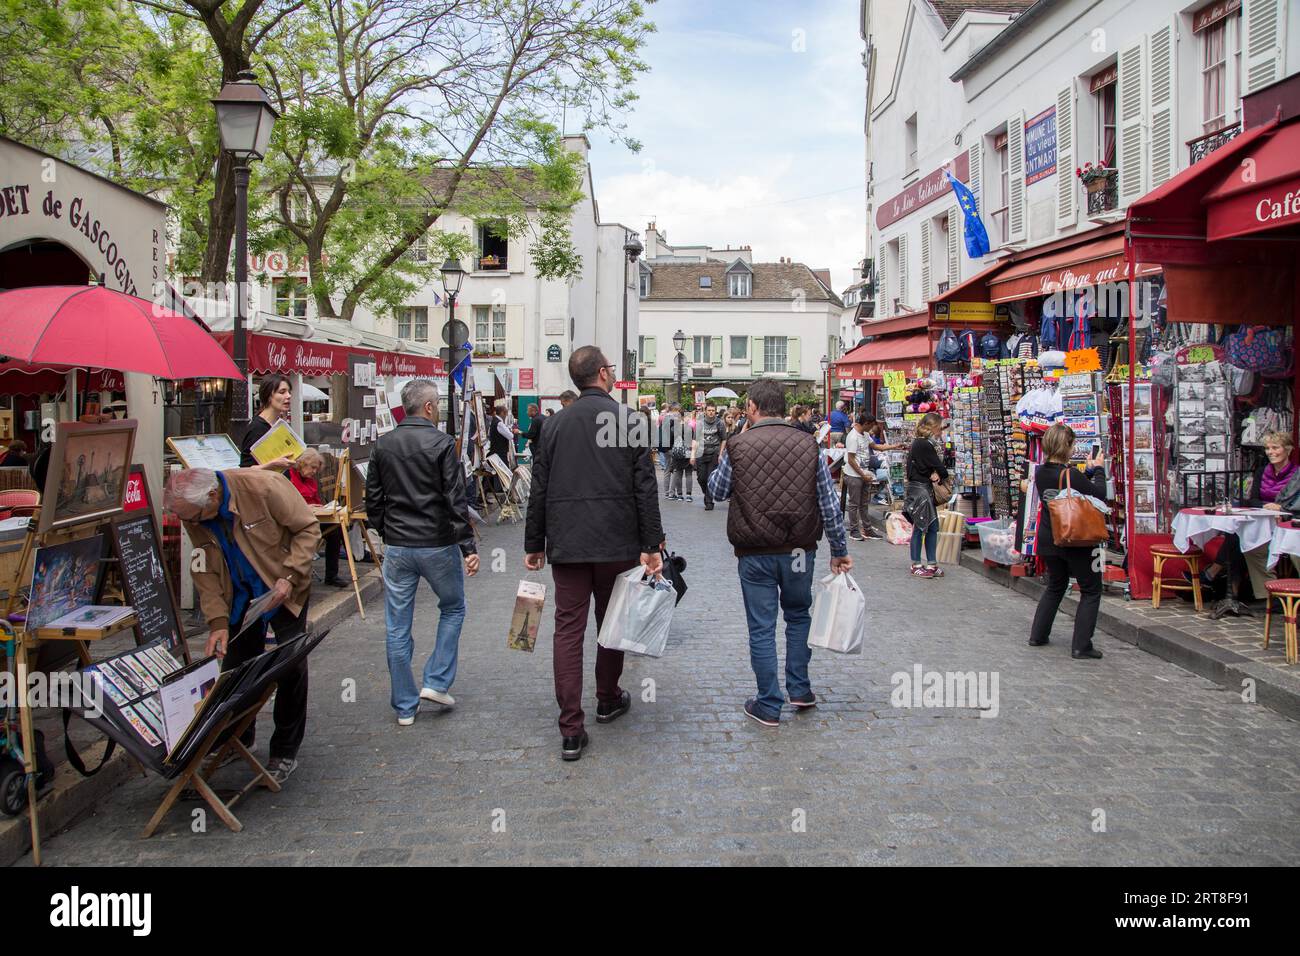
(99, 328)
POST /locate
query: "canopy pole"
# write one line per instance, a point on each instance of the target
(70, 388)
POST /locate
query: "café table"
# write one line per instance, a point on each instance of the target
(1286, 541)
(1254, 528)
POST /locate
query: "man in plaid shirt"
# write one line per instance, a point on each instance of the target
(782, 500)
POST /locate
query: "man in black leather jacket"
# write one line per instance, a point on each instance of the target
(593, 511)
(415, 501)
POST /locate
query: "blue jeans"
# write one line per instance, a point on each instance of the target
(769, 581)
(443, 568)
(929, 537)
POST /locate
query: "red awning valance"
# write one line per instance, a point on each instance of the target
(19, 378)
(1089, 263)
(900, 353)
(270, 353)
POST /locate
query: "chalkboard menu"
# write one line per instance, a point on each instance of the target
(144, 582)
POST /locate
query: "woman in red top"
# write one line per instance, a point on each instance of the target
(303, 474)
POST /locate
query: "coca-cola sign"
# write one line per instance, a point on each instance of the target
(137, 495)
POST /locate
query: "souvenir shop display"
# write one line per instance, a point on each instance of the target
(1004, 384)
(968, 435)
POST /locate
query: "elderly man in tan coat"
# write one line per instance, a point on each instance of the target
(253, 535)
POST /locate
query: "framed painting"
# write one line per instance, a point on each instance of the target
(88, 470)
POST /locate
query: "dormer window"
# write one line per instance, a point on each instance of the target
(738, 285)
(645, 282)
(706, 282)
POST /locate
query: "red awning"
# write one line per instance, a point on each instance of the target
(19, 378)
(899, 323)
(900, 353)
(1089, 263)
(270, 353)
(1168, 224)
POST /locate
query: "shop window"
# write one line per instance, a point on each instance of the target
(493, 246)
(489, 330)
(290, 296)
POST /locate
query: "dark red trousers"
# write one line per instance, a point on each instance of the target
(575, 586)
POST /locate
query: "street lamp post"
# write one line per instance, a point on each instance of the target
(826, 382)
(452, 276)
(632, 249)
(245, 118)
(679, 362)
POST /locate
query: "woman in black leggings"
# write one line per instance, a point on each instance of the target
(1081, 563)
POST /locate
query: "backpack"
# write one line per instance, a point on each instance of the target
(948, 349)
(990, 346)
(969, 345)
(681, 450)
(1049, 328)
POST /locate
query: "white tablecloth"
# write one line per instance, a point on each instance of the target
(1253, 526)
(1285, 541)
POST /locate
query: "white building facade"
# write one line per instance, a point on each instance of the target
(1014, 101)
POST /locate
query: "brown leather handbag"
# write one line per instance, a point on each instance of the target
(1076, 522)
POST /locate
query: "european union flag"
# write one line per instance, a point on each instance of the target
(977, 237)
(459, 366)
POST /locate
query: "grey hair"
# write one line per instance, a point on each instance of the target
(416, 392)
(308, 455)
(193, 486)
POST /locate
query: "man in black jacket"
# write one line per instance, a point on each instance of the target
(415, 501)
(593, 511)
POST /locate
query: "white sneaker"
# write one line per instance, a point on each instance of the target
(405, 721)
(438, 697)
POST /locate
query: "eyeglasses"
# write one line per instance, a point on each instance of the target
(610, 367)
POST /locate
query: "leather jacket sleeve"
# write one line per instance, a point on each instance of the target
(453, 479)
(375, 494)
(535, 519)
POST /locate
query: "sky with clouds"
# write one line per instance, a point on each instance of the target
(750, 121)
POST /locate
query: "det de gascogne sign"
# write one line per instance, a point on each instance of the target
(117, 232)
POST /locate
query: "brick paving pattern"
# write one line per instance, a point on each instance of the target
(1186, 773)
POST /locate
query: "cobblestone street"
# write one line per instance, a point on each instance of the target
(1179, 771)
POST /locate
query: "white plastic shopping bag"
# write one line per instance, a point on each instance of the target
(839, 615)
(639, 614)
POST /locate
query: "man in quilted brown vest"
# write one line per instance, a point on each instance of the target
(782, 498)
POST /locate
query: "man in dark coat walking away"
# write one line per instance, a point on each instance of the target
(593, 512)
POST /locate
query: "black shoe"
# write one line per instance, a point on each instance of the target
(607, 713)
(754, 715)
(572, 747)
(1091, 654)
(1034, 643)
(337, 583)
(871, 534)
(856, 536)
(708, 506)
(803, 703)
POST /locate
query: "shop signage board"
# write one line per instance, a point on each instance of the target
(1040, 146)
(966, 313)
(526, 379)
(553, 353)
(932, 187)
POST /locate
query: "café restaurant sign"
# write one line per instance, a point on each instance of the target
(923, 192)
(269, 354)
(118, 233)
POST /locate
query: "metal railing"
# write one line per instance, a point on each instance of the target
(1202, 146)
(1106, 198)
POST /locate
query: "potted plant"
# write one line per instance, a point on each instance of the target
(1094, 178)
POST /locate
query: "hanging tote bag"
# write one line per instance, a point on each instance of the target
(839, 615)
(1075, 522)
(1257, 348)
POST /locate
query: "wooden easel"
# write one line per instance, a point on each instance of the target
(344, 515)
(27, 642)
(202, 766)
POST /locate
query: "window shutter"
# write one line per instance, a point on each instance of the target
(1016, 225)
(926, 227)
(1067, 184)
(792, 357)
(651, 355)
(1163, 51)
(976, 177)
(1263, 24)
(756, 355)
(882, 285)
(715, 350)
(514, 331)
(901, 295)
(955, 228)
(515, 252)
(1132, 115)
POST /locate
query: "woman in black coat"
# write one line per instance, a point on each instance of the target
(924, 470)
(1081, 563)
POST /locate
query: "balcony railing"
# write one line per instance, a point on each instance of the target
(1103, 193)
(1199, 148)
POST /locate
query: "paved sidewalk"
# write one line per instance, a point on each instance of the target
(1176, 770)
